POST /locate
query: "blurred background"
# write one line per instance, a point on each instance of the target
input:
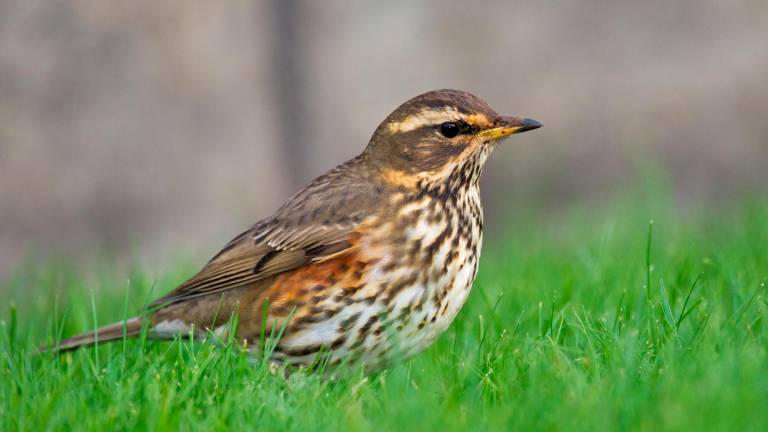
(159, 130)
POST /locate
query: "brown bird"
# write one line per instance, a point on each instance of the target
(367, 264)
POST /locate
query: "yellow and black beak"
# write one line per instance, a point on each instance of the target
(506, 126)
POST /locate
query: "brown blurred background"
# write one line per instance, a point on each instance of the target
(164, 127)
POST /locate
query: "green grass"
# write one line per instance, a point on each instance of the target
(576, 322)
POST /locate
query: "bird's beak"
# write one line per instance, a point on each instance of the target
(509, 125)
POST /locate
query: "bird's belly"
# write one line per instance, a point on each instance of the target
(420, 280)
(394, 325)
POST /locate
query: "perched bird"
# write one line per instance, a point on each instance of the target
(367, 264)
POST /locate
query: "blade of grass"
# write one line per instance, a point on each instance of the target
(684, 312)
(648, 243)
(666, 307)
(95, 331)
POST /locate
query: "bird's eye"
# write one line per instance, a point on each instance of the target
(449, 129)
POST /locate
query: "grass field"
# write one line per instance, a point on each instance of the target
(591, 319)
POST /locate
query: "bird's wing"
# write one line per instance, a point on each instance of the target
(321, 221)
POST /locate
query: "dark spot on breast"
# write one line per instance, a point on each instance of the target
(431, 250)
(309, 319)
(351, 289)
(451, 256)
(370, 299)
(401, 284)
(368, 324)
(338, 342)
(389, 266)
(349, 322)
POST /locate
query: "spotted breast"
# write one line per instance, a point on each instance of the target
(411, 277)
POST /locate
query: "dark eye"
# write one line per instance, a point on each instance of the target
(449, 129)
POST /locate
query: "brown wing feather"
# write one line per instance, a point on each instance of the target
(321, 221)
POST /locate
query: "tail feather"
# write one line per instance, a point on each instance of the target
(128, 328)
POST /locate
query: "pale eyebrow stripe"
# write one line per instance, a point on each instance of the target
(425, 117)
(428, 117)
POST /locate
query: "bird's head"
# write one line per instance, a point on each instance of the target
(430, 136)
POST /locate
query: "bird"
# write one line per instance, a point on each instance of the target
(366, 265)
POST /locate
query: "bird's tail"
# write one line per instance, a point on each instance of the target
(127, 328)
